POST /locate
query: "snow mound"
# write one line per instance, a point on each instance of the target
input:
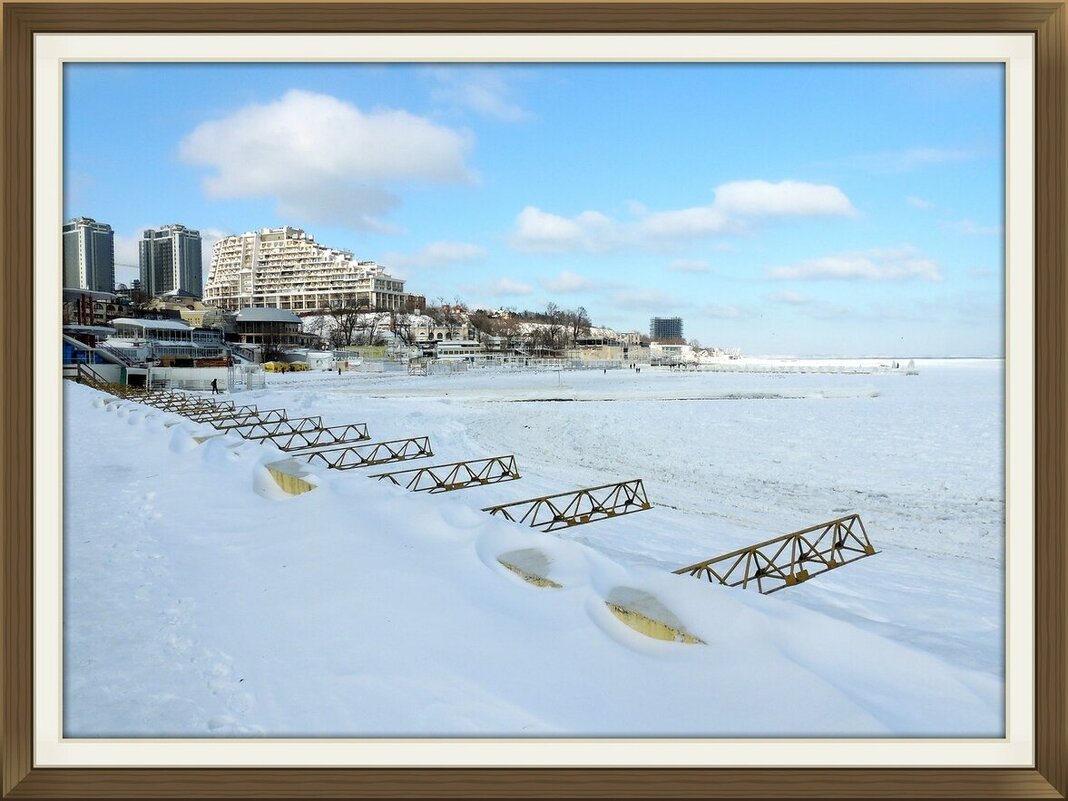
(197, 607)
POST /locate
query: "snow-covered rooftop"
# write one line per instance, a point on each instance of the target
(255, 315)
(159, 325)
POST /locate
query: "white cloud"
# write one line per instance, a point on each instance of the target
(323, 160)
(688, 223)
(896, 264)
(790, 296)
(721, 312)
(483, 91)
(567, 282)
(645, 300)
(127, 253)
(543, 232)
(782, 199)
(919, 202)
(504, 287)
(437, 254)
(737, 205)
(914, 158)
(972, 228)
(689, 266)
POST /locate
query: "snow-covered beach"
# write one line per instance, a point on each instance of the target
(200, 601)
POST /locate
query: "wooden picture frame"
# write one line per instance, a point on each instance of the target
(1047, 21)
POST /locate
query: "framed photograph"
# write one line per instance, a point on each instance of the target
(764, 303)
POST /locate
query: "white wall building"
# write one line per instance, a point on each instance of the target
(424, 329)
(285, 268)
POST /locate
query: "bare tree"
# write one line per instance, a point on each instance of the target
(272, 352)
(367, 326)
(315, 325)
(346, 318)
(483, 324)
(400, 325)
(554, 327)
(578, 323)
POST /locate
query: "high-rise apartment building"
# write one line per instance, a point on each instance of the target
(88, 255)
(171, 259)
(285, 268)
(665, 329)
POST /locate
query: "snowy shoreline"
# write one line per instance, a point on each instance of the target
(194, 603)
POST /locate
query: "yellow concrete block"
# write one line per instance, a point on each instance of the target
(531, 565)
(645, 614)
(290, 475)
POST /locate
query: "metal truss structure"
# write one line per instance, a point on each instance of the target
(279, 428)
(456, 475)
(770, 566)
(238, 420)
(578, 507)
(319, 437)
(790, 559)
(209, 414)
(185, 405)
(372, 453)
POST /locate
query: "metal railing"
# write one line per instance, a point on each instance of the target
(790, 559)
(117, 354)
(87, 375)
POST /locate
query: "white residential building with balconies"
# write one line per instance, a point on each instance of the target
(285, 268)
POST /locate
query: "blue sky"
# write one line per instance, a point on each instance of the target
(806, 209)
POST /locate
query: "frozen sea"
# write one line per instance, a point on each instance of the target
(727, 459)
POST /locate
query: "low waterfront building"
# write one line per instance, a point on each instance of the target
(271, 328)
(190, 308)
(167, 342)
(85, 307)
(424, 329)
(462, 349)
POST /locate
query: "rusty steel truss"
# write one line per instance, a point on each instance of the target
(182, 404)
(241, 419)
(321, 437)
(575, 508)
(791, 559)
(209, 414)
(372, 453)
(279, 428)
(456, 475)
